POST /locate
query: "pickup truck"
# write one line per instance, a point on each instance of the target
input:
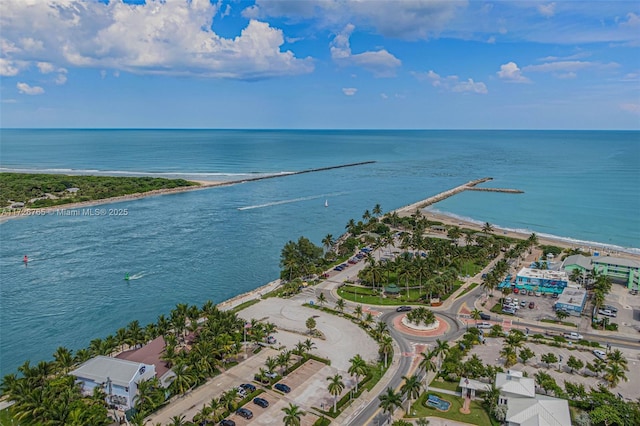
(573, 336)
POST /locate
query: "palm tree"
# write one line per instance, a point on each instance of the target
(377, 210)
(411, 388)
(509, 355)
(390, 400)
(358, 368)
(271, 363)
(475, 314)
(613, 374)
(322, 299)
(367, 320)
(385, 348)
(441, 350)
(177, 421)
(284, 358)
(422, 422)
(183, 379)
(309, 345)
(63, 359)
(292, 415)
(328, 242)
(357, 311)
(487, 228)
(336, 386)
(427, 364)
(340, 305)
(616, 357)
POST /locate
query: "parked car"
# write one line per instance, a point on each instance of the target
(611, 308)
(248, 387)
(403, 308)
(532, 305)
(282, 387)
(261, 402)
(483, 325)
(241, 392)
(271, 375)
(227, 422)
(607, 312)
(485, 317)
(573, 336)
(538, 294)
(244, 412)
(271, 340)
(508, 310)
(523, 303)
(600, 354)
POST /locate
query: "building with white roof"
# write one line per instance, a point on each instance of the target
(118, 378)
(524, 407)
(545, 279)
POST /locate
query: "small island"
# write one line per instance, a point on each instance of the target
(35, 190)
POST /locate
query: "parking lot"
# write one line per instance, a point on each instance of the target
(489, 354)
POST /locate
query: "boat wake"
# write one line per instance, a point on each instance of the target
(136, 276)
(293, 200)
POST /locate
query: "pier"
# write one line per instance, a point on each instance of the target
(469, 186)
(319, 169)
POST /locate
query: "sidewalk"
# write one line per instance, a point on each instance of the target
(365, 398)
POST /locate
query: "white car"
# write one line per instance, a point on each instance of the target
(607, 313)
(573, 336)
(484, 325)
(600, 354)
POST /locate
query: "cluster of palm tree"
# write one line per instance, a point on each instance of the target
(46, 395)
(199, 341)
(391, 400)
(421, 315)
(513, 347)
(612, 370)
(300, 258)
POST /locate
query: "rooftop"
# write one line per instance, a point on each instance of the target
(514, 383)
(538, 411)
(618, 261)
(544, 274)
(103, 368)
(148, 354)
(572, 296)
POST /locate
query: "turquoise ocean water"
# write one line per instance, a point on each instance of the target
(219, 242)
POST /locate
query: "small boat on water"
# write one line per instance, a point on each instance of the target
(126, 276)
(326, 203)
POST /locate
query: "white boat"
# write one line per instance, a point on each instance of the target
(326, 203)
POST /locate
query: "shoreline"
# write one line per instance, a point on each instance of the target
(43, 211)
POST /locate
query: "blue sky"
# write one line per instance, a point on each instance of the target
(400, 64)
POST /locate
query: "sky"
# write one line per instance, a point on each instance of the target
(320, 64)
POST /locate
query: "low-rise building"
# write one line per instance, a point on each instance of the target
(572, 300)
(118, 378)
(619, 269)
(544, 279)
(525, 407)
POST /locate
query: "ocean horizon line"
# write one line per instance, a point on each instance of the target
(322, 129)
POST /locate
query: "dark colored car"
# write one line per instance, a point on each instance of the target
(485, 317)
(282, 387)
(244, 412)
(403, 308)
(227, 422)
(248, 387)
(261, 402)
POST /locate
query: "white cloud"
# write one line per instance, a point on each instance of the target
(452, 83)
(46, 67)
(349, 91)
(568, 66)
(8, 68)
(157, 37)
(384, 96)
(405, 19)
(381, 63)
(25, 89)
(510, 72)
(567, 75)
(61, 79)
(633, 21)
(547, 10)
(470, 86)
(632, 108)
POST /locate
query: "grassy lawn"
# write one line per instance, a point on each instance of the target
(245, 305)
(6, 419)
(468, 289)
(366, 295)
(552, 321)
(478, 415)
(444, 385)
